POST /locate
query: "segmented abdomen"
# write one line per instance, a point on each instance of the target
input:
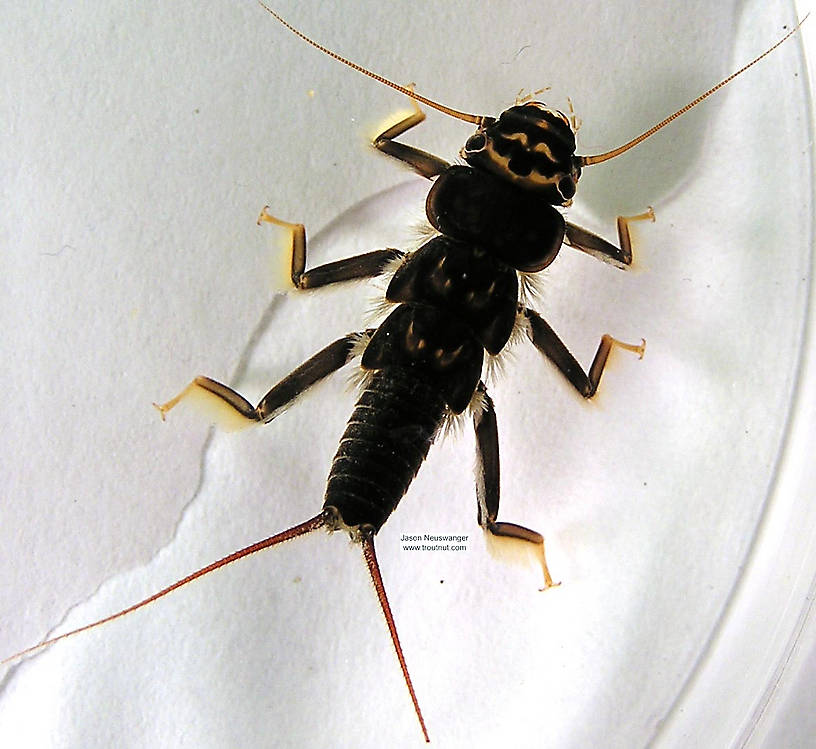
(386, 440)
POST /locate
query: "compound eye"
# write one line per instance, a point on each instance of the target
(476, 143)
(566, 186)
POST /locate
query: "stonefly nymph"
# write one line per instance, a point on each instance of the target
(454, 303)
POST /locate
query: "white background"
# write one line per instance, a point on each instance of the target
(141, 142)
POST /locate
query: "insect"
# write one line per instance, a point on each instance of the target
(409, 658)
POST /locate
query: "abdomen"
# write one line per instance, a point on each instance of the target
(386, 439)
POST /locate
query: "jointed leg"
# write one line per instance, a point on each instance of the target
(359, 266)
(487, 485)
(548, 343)
(370, 263)
(422, 162)
(599, 248)
(240, 412)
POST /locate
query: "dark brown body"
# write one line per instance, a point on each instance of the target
(385, 442)
(458, 297)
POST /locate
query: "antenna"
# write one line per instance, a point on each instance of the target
(476, 119)
(589, 160)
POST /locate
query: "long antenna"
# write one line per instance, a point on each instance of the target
(589, 160)
(299, 530)
(473, 118)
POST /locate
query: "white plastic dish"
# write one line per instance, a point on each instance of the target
(135, 264)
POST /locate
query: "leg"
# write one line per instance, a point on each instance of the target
(599, 248)
(548, 343)
(487, 485)
(360, 266)
(422, 162)
(238, 412)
